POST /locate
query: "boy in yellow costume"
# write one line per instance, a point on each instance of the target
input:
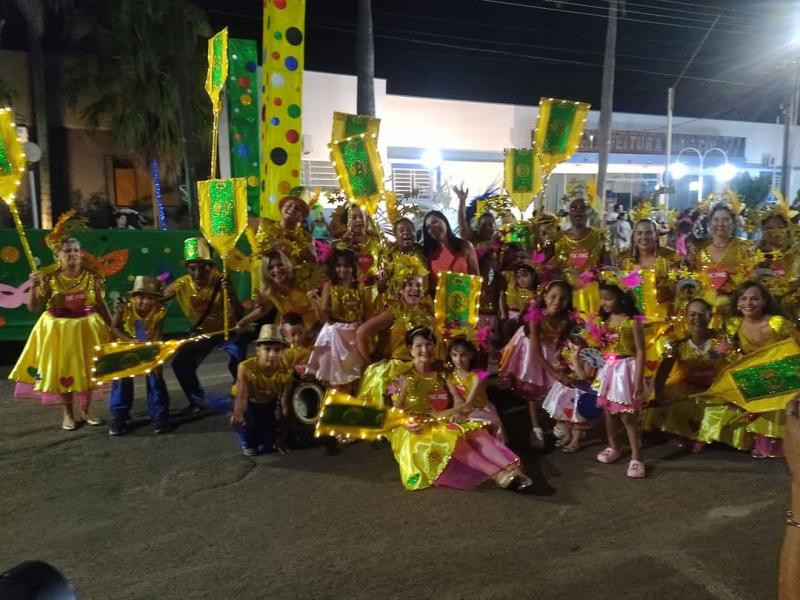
(140, 319)
(200, 296)
(262, 410)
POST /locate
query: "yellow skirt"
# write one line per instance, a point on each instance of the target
(58, 358)
(377, 378)
(423, 456)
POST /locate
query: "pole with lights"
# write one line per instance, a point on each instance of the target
(724, 172)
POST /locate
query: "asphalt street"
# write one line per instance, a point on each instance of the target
(185, 515)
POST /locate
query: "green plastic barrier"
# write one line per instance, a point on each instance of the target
(119, 255)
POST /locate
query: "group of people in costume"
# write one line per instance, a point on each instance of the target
(580, 332)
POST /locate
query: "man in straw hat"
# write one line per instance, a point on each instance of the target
(200, 296)
(263, 387)
(140, 318)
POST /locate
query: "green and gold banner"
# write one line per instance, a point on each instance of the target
(346, 416)
(223, 212)
(12, 157)
(456, 304)
(360, 171)
(217, 66)
(763, 381)
(524, 178)
(346, 125)
(558, 130)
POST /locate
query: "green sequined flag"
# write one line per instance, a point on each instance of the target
(456, 304)
(359, 169)
(5, 163)
(217, 66)
(346, 125)
(776, 377)
(223, 211)
(522, 177)
(124, 361)
(223, 208)
(353, 416)
(559, 127)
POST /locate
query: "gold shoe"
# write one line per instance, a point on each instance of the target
(93, 421)
(68, 423)
(505, 480)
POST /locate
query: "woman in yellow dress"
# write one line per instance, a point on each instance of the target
(689, 366)
(365, 240)
(722, 261)
(757, 323)
(779, 272)
(655, 294)
(413, 310)
(56, 363)
(280, 290)
(436, 446)
(579, 253)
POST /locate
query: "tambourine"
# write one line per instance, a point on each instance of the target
(592, 357)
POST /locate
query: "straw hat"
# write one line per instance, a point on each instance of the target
(196, 249)
(147, 285)
(271, 333)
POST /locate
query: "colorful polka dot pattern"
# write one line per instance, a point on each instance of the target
(281, 112)
(242, 94)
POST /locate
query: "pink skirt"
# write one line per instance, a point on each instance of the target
(491, 417)
(617, 383)
(458, 474)
(518, 365)
(561, 403)
(335, 359)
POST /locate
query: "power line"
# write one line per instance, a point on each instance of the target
(603, 16)
(522, 45)
(633, 12)
(548, 59)
(694, 5)
(681, 10)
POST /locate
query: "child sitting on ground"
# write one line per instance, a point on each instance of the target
(262, 409)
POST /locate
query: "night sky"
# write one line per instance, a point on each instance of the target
(515, 51)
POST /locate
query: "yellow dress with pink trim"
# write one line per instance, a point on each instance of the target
(57, 359)
(423, 456)
(654, 298)
(575, 257)
(378, 376)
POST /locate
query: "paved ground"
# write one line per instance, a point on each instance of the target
(184, 515)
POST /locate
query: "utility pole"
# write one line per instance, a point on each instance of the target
(365, 60)
(671, 106)
(789, 122)
(607, 98)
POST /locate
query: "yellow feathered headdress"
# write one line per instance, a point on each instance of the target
(66, 227)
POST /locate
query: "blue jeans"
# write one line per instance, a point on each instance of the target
(188, 359)
(261, 426)
(121, 399)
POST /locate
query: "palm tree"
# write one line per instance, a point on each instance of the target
(144, 81)
(365, 60)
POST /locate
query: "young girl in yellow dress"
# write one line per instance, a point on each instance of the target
(56, 364)
(464, 379)
(520, 292)
(436, 446)
(413, 310)
(335, 360)
(621, 390)
(529, 360)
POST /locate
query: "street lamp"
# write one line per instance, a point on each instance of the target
(725, 172)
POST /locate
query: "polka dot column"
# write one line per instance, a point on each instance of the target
(281, 132)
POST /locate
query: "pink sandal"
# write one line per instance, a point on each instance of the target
(609, 455)
(636, 469)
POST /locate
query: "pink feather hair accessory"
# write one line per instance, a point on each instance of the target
(324, 251)
(538, 258)
(534, 314)
(482, 375)
(631, 280)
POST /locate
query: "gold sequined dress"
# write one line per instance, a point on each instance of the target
(576, 259)
(57, 359)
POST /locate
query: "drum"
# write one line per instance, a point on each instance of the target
(307, 403)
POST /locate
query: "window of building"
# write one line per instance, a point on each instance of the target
(407, 179)
(319, 174)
